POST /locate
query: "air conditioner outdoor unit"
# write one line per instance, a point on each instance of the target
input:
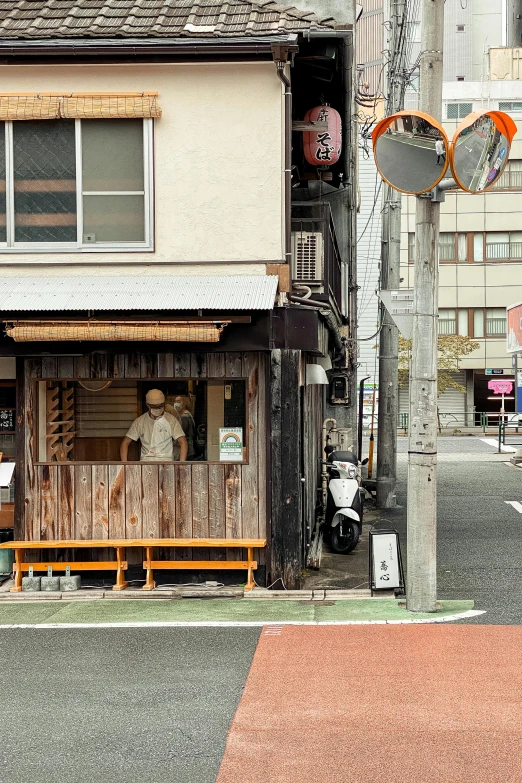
(307, 257)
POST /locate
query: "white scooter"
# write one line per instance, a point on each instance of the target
(344, 502)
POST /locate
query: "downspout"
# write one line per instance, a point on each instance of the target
(280, 52)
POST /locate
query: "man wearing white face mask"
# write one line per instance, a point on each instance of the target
(156, 430)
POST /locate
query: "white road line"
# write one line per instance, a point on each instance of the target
(516, 505)
(239, 623)
(494, 442)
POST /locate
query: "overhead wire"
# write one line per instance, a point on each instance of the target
(396, 62)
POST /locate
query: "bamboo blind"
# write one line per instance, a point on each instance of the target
(52, 106)
(200, 332)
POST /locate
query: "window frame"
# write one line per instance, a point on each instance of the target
(455, 259)
(504, 260)
(470, 311)
(77, 379)
(12, 247)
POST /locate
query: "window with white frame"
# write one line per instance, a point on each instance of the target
(76, 184)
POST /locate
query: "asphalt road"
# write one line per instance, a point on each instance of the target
(156, 704)
(468, 156)
(479, 552)
(408, 166)
(108, 705)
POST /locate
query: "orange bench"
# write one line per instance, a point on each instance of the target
(149, 564)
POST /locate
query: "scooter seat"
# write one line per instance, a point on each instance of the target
(343, 456)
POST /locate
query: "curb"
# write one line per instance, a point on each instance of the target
(259, 593)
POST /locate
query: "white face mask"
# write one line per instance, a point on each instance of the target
(178, 405)
(156, 412)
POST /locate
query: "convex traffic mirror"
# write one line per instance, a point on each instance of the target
(411, 151)
(480, 150)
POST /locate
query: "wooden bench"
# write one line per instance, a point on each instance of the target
(250, 565)
(149, 564)
(20, 565)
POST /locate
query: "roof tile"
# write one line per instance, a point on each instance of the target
(41, 19)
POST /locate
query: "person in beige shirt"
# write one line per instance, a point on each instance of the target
(157, 432)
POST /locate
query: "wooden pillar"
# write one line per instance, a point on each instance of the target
(20, 437)
(285, 444)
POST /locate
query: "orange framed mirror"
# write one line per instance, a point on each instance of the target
(411, 151)
(480, 149)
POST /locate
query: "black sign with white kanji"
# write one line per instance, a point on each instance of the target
(7, 420)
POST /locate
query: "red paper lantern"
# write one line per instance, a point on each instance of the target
(323, 148)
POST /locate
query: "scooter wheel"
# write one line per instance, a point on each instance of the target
(347, 543)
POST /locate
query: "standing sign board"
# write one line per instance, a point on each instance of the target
(386, 572)
(231, 444)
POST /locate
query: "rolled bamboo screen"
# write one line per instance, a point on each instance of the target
(41, 106)
(111, 106)
(29, 107)
(201, 332)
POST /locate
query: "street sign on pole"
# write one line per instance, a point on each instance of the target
(399, 304)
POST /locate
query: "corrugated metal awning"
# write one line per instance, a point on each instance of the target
(198, 292)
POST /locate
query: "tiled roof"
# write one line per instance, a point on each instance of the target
(44, 19)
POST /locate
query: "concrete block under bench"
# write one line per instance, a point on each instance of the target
(31, 584)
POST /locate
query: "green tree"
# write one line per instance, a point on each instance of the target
(451, 349)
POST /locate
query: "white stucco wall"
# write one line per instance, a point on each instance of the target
(218, 158)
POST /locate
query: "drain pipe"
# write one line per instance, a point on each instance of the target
(278, 53)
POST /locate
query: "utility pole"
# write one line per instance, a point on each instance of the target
(390, 279)
(421, 591)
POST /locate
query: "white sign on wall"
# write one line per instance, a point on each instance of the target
(231, 444)
(386, 571)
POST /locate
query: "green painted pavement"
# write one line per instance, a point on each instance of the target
(215, 610)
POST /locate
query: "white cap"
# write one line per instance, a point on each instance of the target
(154, 397)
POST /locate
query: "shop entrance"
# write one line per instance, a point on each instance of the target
(486, 400)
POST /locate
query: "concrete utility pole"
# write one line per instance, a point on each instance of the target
(390, 279)
(388, 356)
(421, 591)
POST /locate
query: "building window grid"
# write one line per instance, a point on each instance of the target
(8, 240)
(475, 247)
(511, 178)
(452, 247)
(477, 322)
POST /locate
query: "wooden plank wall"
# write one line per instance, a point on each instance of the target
(312, 436)
(111, 500)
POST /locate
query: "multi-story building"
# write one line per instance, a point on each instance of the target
(480, 250)
(154, 189)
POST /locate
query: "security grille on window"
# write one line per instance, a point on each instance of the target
(447, 322)
(495, 321)
(446, 247)
(76, 183)
(510, 106)
(457, 111)
(504, 246)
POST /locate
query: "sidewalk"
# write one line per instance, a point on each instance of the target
(322, 610)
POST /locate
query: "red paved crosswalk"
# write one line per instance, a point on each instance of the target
(393, 704)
